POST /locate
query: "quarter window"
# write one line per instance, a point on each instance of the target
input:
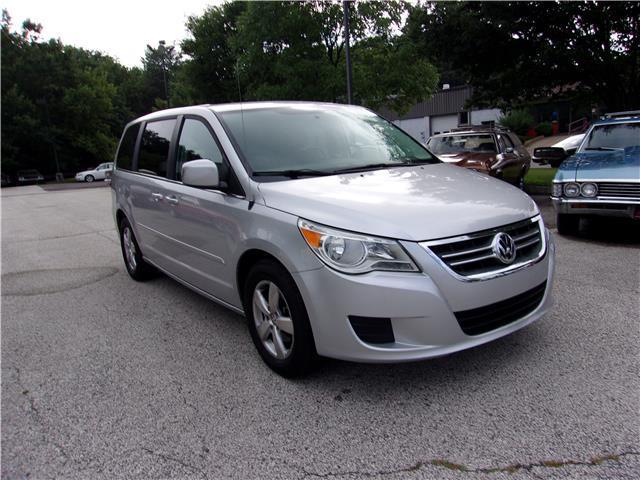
(124, 158)
(196, 142)
(154, 148)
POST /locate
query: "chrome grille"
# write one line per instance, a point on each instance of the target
(626, 190)
(472, 257)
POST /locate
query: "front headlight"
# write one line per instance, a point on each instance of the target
(572, 189)
(589, 189)
(354, 253)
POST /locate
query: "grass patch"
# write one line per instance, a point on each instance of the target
(540, 176)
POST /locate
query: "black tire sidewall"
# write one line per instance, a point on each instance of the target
(86, 178)
(303, 353)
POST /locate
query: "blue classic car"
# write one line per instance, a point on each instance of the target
(603, 176)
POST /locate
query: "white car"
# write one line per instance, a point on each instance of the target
(98, 173)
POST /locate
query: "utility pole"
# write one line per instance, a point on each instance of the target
(161, 47)
(347, 52)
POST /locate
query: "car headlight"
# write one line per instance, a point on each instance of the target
(556, 190)
(354, 253)
(589, 189)
(572, 189)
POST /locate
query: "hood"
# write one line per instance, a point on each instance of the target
(601, 165)
(406, 203)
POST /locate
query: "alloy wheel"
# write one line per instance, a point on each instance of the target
(272, 318)
(129, 248)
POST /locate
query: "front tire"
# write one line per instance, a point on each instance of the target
(89, 178)
(568, 224)
(278, 320)
(137, 268)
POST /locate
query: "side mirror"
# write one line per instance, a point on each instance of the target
(200, 173)
(508, 150)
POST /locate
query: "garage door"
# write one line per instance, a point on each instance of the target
(443, 123)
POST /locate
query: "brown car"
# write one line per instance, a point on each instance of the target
(494, 151)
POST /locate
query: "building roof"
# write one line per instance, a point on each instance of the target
(444, 102)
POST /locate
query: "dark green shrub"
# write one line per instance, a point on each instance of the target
(544, 129)
(517, 121)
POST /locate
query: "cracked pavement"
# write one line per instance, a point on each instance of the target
(103, 377)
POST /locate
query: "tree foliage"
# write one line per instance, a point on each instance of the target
(512, 52)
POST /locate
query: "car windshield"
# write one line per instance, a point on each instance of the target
(613, 136)
(315, 140)
(462, 143)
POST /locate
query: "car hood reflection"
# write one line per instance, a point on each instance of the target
(408, 203)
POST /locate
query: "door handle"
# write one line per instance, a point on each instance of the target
(157, 197)
(172, 199)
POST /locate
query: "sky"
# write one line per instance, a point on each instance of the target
(120, 28)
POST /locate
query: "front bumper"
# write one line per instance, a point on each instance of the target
(625, 208)
(421, 307)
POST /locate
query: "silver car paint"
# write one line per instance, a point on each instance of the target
(408, 203)
(200, 239)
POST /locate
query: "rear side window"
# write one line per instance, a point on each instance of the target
(154, 148)
(124, 159)
(196, 142)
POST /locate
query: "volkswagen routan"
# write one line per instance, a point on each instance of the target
(330, 229)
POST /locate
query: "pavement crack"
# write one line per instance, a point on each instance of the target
(179, 461)
(513, 468)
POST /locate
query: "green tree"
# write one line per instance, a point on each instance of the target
(160, 65)
(512, 52)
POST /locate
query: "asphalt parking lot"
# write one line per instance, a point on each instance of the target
(103, 377)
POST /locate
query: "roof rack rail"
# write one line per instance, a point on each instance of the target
(630, 113)
(464, 128)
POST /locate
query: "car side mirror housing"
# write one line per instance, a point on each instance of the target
(201, 173)
(508, 150)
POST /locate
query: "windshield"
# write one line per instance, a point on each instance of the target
(462, 143)
(319, 139)
(613, 136)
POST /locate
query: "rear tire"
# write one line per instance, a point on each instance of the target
(278, 320)
(568, 224)
(137, 268)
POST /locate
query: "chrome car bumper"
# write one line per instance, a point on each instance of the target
(425, 313)
(625, 208)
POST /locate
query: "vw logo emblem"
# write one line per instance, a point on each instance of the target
(504, 248)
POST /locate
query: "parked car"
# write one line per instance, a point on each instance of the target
(603, 177)
(98, 173)
(558, 152)
(493, 151)
(29, 176)
(330, 229)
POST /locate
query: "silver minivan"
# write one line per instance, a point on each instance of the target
(334, 232)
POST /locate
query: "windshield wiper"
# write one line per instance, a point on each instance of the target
(604, 148)
(302, 172)
(373, 166)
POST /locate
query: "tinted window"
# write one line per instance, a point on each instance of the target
(621, 135)
(321, 138)
(196, 142)
(154, 148)
(124, 159)
(462, 143)
(505, 142)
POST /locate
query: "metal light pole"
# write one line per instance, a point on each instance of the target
(347, 51)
